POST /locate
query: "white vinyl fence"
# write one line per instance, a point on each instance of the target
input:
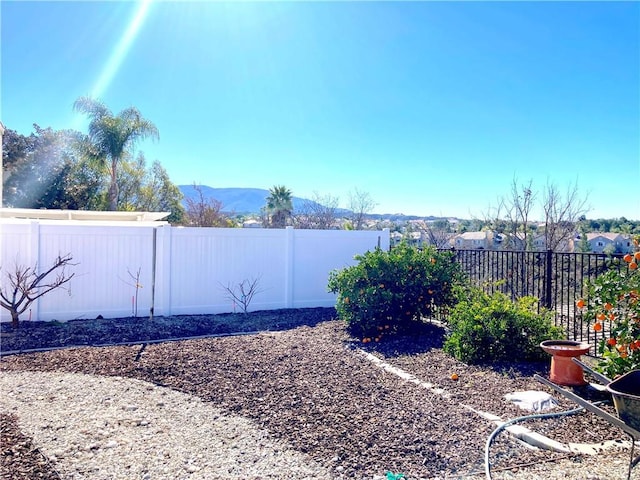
(177, 270)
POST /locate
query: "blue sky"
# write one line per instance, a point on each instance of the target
(431, 107)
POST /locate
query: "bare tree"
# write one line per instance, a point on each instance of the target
(319, 213)
(26, 286)
(437, 233)
(518, 208)
(512, 216)
(561, 212)
(493, 220)
(242, 293)
(134, 281)
(360, 204)
(205, 212)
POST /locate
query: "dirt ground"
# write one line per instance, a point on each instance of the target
(304, 379)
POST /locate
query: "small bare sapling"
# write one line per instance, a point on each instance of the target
(134, 281)
(24, 285)
(242, 293)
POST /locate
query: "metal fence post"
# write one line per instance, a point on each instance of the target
(548, 279)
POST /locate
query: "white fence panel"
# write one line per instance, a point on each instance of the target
(318, 252)
(18, 246)
(205, 260)
(182, 270)
(106, 260)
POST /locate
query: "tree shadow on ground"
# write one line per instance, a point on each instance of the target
(421, 339)
(519, 369)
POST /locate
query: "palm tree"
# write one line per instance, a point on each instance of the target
(279, 205)
(110, 136)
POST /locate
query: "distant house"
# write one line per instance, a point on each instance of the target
(609, 242)
(473, 241)
(252, 223)
(512, 241)
(411, 238)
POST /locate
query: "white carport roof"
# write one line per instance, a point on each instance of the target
(82, 215)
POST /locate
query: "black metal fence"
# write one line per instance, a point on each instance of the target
(556, 279)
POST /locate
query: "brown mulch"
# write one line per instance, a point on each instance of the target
(309, 385)
(19, 458)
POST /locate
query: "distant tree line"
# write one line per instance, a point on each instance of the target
(67, 169)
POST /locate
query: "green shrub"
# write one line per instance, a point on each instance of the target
(391, 291)
(486, 328)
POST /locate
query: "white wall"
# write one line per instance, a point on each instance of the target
(192, 266)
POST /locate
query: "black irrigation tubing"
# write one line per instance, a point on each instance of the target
(127, 344)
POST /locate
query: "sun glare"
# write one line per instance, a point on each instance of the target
(122, 48)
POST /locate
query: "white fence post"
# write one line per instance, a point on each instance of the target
(289, 265)
(162, 301)
(33, 259)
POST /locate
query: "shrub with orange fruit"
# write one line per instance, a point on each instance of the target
(394, 291)
(615, 297)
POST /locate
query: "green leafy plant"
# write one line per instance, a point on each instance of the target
(391, 291)
(613, 299)
(487, 328)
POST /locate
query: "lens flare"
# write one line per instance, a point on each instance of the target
(122, 48)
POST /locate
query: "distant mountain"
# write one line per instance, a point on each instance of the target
(251, 200)
(235, 200)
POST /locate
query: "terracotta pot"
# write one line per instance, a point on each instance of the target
(563, 370)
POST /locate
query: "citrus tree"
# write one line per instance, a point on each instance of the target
(392, 291)
(614, 299)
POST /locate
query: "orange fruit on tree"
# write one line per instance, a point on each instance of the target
(611, 341)
(600, 316)
(580, 303)
(636, 255)
(633, 265)
(608, 306)
(627, 258)
(597, 326)
(612, 316)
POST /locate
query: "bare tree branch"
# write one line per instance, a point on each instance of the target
(242, 294)
(205, 212)
(561, 214)
(360, 203)
(319, 213)
(26, 286)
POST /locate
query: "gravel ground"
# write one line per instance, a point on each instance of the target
(311, 391)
